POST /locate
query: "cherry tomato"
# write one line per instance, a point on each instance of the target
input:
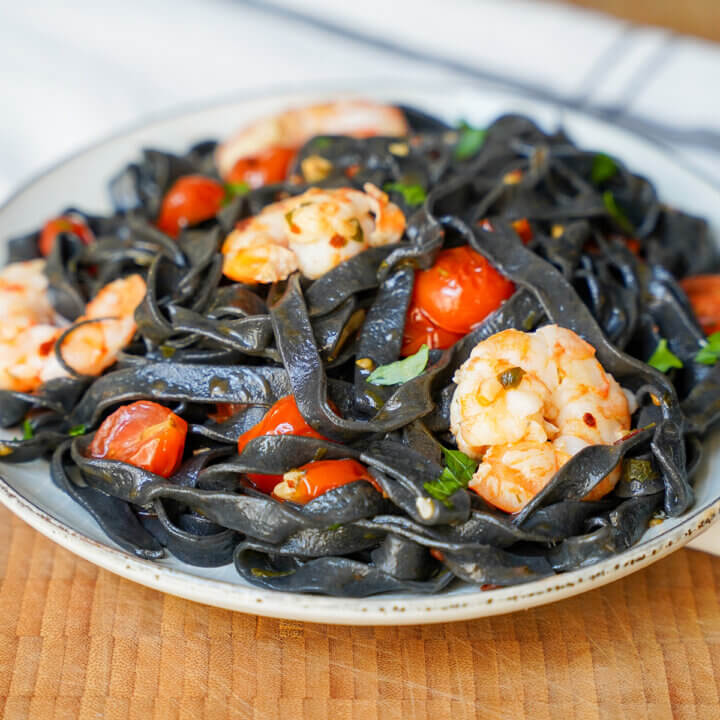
(224, 411)
(283, 418)
(521, 227)
(190, 200)
(319, 476)
(143, 434)
(63, 224)
(420, 330)
(460, 289)
(703, 291)
(267, 167)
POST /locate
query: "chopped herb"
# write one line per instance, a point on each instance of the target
(470, 142)
(334, 526)
(510, 378)
(76, 430)
(28, 431)
(402, 370)
(617, 213)
(603, 168)
(260, 572)
(233, 190)
(321, 143)
(358, 234)
(167, 351)
(457, 473)
(663, 358)
(710, 351)
(289, 220)
(636, 470)
(413, 194)
(529, 321)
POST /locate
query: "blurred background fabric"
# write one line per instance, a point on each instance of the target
(74, 73)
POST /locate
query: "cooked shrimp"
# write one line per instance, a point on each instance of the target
(93, 347)
(525, 403)
(312, 232)
(27, 360)
(23, 298)
(294, 127)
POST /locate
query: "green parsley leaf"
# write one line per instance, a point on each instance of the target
(321, 143)
(402, 370)
(233, 190)
(262, 573)
(412, 194)
(663, 359)
(511, 378)
(617, 213)
(457, 473)
(710, 351)
(28, 431)
(603, 168)
(470, 142)
(637, 470)
(77, 430)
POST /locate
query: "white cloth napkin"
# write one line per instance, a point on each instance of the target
(72, 73)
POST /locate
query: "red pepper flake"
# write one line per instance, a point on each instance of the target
(523, 229)
(338, 241)
(589, 419)
(352, 170)
(46, 347)
(437, 554)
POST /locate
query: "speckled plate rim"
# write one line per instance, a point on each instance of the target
(379, 610)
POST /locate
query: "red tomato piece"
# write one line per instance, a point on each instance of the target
(460, 289)
(420, 330)
(267, 167)
(143, 434)
(319, 476)
(224, 411)
(703, 291)
(283, 418)
(521, 227)
(63, 224)
(190, 200)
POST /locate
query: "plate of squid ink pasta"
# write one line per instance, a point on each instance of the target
(372, 357)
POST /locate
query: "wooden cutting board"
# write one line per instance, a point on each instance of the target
(693, 17)
(78, 641)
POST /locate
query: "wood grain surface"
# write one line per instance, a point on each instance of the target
(80, 642)
(693, 17)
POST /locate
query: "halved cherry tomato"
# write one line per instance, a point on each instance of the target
(316, 478)
(521, 227)
(190, 200)
(283, 418)
(224, 411)
(63, 224)
(268, 166)
(143, 434)
(460, 289)
(420, 330)
(703, 291)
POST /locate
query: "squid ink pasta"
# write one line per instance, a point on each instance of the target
(352, 349)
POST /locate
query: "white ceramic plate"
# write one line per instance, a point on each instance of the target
(82, 180)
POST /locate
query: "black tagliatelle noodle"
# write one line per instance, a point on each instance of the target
(203, 341)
